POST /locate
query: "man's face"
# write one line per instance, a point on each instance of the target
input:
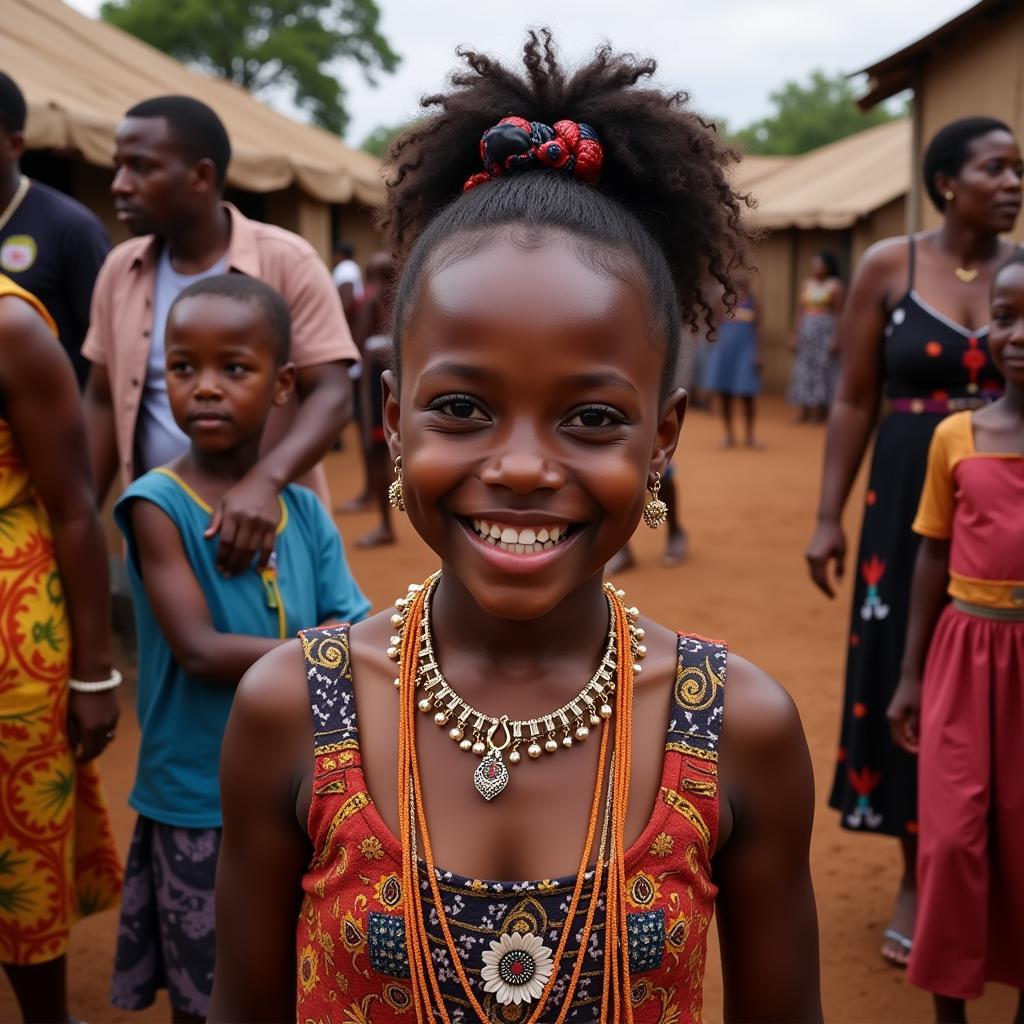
(155, 186)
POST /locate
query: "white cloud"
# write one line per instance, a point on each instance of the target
(729, 54)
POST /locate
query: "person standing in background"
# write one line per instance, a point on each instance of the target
(172, 155)
(50, 245)
(372, 332)
(916, 333)
(348, 278)
(735, 365)
(815, 365)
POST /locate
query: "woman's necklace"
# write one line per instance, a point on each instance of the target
(572, 721)
(966, 276)
(12, 206)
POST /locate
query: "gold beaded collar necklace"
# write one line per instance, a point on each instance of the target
(488, 736)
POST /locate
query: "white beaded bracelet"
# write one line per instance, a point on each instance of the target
(96, 685)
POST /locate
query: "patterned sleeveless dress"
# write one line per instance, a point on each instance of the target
(351, 951)
(58, 861)
(930, 365)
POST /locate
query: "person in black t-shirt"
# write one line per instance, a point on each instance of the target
(50, 244)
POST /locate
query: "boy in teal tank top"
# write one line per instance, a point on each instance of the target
(199, 629)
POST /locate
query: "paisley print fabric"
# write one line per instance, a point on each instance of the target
(57, 855)
(351, 948)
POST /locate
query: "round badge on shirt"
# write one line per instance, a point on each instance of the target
(18, 253)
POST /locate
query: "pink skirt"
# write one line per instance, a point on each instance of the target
(970, 868)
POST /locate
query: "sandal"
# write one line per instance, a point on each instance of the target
(896, 940)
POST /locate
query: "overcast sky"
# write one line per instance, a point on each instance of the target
(729, 54)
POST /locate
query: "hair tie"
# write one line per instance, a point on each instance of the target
(515, 144)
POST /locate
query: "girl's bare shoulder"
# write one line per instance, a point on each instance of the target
(761, 720)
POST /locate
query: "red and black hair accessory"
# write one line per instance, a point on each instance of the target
(515, 144)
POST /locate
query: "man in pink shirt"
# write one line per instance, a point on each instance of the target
(171, 157)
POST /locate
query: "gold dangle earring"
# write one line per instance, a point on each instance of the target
(395, 490)
(655, 511)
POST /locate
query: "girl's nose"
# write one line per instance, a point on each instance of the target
(523, 471)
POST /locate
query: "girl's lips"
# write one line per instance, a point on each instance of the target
(513, 562)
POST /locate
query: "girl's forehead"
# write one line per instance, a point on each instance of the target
(1009, 283)
(524, 275)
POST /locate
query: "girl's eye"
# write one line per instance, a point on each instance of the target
(459, 407)
(236, 369)
(179, 368)
(594, 417)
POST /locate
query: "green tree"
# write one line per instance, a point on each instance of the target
(290, 45)
(808, 115)
(378, 142)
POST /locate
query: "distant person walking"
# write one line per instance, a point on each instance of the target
(58, 708)
(915, 331)
(50, 245)
(372, 331)
(735, 366)
(815, 365)
(348, 278)
(172, 154)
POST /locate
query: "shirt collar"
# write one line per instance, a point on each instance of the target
(242, 252)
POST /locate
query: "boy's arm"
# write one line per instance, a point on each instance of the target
(767, 920)
(180, 606)
(267, 748)
(927, 599)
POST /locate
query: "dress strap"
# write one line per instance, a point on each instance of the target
(331, 696)
(911, 259)
(698, 697)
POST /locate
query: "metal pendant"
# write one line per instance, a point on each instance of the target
(491, 775)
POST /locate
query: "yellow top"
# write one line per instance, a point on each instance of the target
(973, 499)
(15, 486)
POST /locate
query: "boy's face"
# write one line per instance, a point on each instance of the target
(222, 375)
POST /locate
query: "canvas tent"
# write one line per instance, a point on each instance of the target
(80, 75)
(841, 197)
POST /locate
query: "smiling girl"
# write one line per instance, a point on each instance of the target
(512, 798)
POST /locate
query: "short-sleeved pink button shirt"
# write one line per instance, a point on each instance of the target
(122, 319)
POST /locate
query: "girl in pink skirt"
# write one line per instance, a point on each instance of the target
(964, 713)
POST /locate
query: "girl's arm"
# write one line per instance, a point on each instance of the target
(42, 405)
(927, 599)
(861, 333)
(267, 747)
(767, 920)
(180, 606)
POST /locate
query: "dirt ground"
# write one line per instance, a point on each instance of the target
(749, 515)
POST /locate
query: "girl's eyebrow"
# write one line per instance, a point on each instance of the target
(601, 378)
(451, 368)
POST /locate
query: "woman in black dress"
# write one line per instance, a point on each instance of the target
(914, 331)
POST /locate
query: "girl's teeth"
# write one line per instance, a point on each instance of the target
(518, 541)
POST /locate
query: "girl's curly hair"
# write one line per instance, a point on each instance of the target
(663, 195)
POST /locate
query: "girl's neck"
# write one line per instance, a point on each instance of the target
(210, 474)
(577, 626)
(965, 244)
(1013, 400)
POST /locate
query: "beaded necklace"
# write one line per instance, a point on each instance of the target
(511, 969)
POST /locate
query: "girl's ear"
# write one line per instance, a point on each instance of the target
(285, 384)
(392, 413)
(673, 412)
